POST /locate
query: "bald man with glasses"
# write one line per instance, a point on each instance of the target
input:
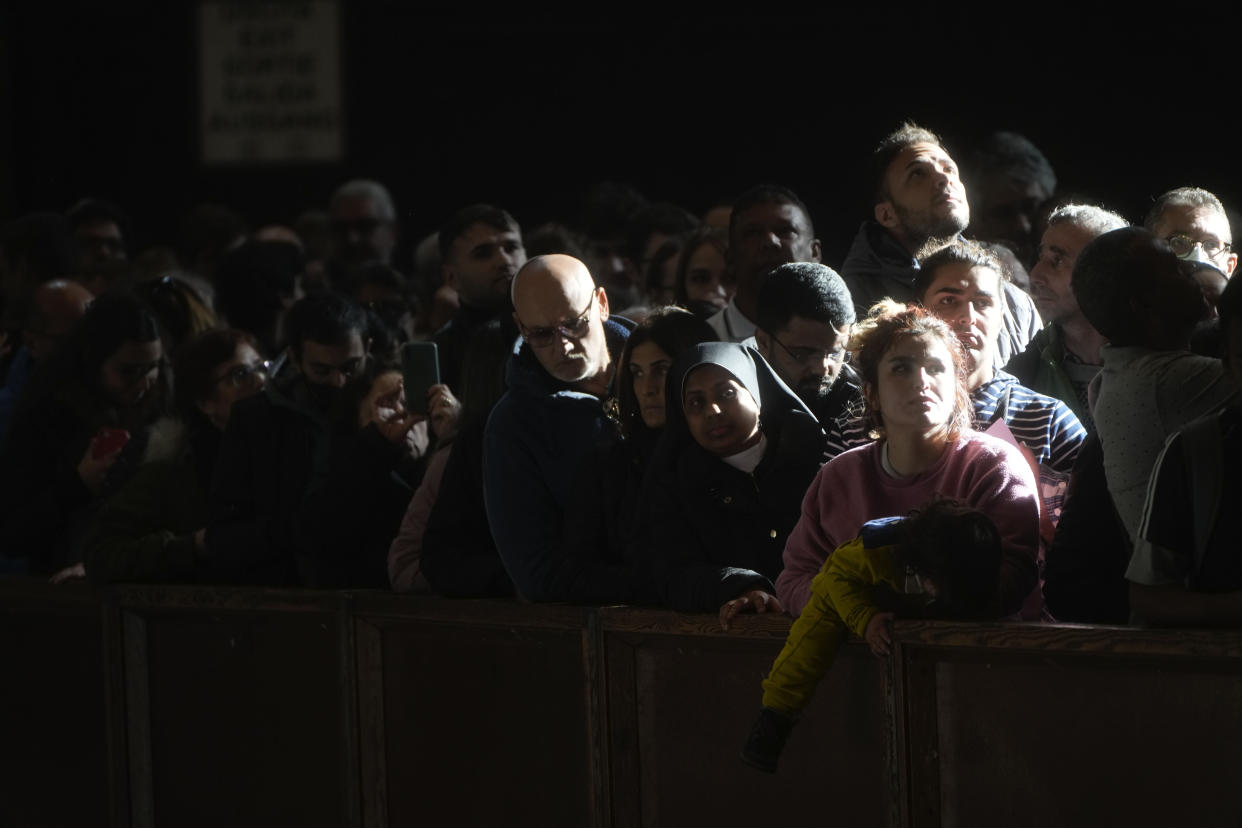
(549, 418)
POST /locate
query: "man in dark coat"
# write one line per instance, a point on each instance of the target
(481, 251)
(805, 320)
(276, 445)
(549, 418)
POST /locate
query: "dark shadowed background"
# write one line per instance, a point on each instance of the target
(449, 104)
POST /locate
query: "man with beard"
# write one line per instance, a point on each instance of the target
(276, 444)
(1064, 357)
(769, 226)
(481, 250)
(805, 319)
(919, 206)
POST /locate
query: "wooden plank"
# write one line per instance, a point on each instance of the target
(596, 722)
(896, 781)
(372, 737)
(921, 748)
(697, 697)
(350, 735)
(486, 724)
(1085, 738)
(138, 718)
(1074, 638)
(54, 716)
(112, 643)
(622, 716)
(245, 716)
(495, 612)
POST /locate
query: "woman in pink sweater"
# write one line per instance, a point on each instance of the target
(914, 385)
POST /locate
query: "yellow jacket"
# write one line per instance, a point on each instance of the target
(841, 598)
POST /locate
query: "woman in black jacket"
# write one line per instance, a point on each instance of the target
(601, 528)
(738, 452)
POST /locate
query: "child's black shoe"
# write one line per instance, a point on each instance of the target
(767, 739)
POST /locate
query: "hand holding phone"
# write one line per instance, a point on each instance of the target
(105, 447)
(108, 440)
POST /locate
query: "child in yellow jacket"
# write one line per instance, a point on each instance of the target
(945, 558)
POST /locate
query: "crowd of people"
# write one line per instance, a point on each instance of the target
(646, 406)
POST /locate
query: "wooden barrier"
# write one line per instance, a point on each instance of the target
(1026, 725)
(194, 706)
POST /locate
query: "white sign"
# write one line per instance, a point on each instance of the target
(270, 82)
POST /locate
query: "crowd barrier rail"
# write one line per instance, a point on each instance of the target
(187, 705)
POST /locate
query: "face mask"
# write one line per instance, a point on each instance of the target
(1197, 254)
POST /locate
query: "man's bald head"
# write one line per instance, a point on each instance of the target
(561, 315)
(554, 271)
(55, 308)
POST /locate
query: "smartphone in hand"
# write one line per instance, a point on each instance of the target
(420, 367)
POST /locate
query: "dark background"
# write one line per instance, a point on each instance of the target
(453, 104)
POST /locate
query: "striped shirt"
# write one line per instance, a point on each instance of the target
(1043, 424)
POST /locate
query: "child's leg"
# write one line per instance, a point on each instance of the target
(808, 653)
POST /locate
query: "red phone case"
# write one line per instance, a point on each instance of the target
(108, 440)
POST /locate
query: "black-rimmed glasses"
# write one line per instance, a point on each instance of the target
(569, 329)
(816, 356)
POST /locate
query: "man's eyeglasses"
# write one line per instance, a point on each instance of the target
(241, 376)
(1183, 245)
(813, 356)
(569, 329)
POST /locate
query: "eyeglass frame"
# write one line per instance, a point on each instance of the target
(803, 360)
(564, 330)
(261, 367)
(1225, 247)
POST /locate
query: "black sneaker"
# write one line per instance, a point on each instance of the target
(767, 739)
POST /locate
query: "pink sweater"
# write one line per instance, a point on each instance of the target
(404, 572)
(980, 471)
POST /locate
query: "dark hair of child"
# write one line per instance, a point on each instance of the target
(959, 550)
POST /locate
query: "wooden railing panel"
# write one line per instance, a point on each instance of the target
(1086, 731)
(485, 716)
(245, 707)
(208, 706)
(683, 702)
(54, 721)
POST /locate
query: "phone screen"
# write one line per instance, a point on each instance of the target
(420, 366)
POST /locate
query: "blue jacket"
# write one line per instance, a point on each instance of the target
(536, 436)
